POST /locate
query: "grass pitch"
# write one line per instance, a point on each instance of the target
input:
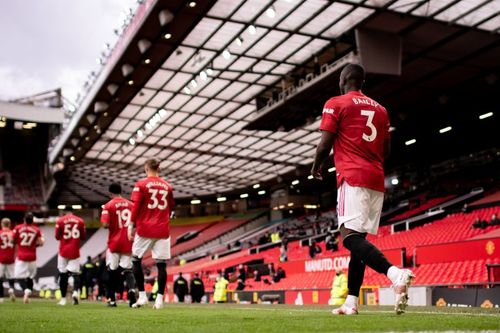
(47, 316)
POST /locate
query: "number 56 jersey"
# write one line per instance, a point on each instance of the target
(70, 229)
(153, 201)
(116, 214)
(361, 127)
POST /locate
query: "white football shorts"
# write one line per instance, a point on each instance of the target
(359, 208)
(65, 265)
(25, 269)
(160, 247)
(7, 271)
(113, 260)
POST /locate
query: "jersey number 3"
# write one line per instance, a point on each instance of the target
(369, 124)
(161, 203)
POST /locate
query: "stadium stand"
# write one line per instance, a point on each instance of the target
(421, 208)
(438, 232)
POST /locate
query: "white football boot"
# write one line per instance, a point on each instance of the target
(345, 310)
(401, 290)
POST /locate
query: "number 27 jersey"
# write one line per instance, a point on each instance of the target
(361, 126)
(70, 229)
(153, 201)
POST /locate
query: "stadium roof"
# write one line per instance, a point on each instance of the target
(183, 91)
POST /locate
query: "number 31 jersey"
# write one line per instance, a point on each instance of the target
(117, 214)
(361, 126)
(153, 201)
(70, 229)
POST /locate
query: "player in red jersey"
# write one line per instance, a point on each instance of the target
(358, 129)
(27, 237)
(153, 202)
(7, 258)
(69, 231)
(115, 216)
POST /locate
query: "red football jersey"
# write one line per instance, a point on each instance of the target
(70, 229)
(117, 214)
(361, 126)
(26, 237)
(7, 248)
(153, 201)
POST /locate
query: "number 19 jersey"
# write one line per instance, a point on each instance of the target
(117, 214)
(153, 201)
(70, 229)
(361, 126)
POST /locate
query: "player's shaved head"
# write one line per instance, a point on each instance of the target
(153, 165)
(28, 218)
(6, 222)
(352, 77)
(115, 188)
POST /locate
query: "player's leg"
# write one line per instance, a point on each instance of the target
(10, 276)
(361, 213)
(112, 265)
(161, 253)
(139, 248)
(74, 271)
(126, 265)
(3, 273)
(62, 264)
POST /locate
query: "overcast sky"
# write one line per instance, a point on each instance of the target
(48, 44)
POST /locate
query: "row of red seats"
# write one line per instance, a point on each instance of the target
(421, 208)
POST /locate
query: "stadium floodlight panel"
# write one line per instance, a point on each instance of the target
(394, 181)
(290, 204)
(332, 169)
(195, 202)
(76, 206)
(262, 192)
(244, 195)
(486, 115)
(310, 177)
(221, 199)
(445, 129)
(61, 206)
(256, 186)
(296, 182)
(410, 142)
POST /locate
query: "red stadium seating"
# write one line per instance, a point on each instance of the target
(420, 209)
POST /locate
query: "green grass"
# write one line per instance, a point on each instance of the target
(46, 316)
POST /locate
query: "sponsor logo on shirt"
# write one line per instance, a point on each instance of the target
(329, 111)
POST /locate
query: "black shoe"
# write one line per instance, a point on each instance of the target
(111, 305)
(131, 298)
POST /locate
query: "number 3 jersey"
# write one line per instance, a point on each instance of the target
(361, 126)
(116, 214)
(153, 201)
(70, 229)
(26, 237)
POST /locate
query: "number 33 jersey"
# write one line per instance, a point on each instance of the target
(116, 214)
(70, 229)
(361, 126)
(153, 201)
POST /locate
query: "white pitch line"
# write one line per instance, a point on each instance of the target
(371, 312)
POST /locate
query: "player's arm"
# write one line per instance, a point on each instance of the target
(171, 203)
(83, 230)
(137, 199)
(105, 217)
(387, 137)
(40, 240)
(328, 127)
(322, 153)
(58, 230)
